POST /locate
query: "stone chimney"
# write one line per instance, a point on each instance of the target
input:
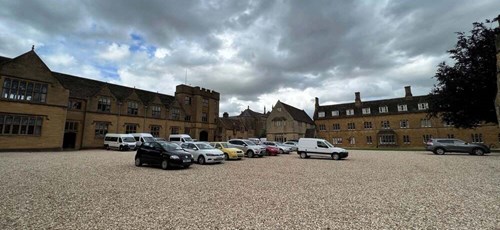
(357, 99)
(316, 102)
(408, 94)
(225, 115)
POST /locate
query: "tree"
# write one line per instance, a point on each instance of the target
(465, 93)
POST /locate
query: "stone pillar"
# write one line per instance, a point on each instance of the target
(497, 44)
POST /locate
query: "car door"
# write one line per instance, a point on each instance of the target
(462, 146)
(322, 148)
(156, 153)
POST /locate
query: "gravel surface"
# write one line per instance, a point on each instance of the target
(98, 189)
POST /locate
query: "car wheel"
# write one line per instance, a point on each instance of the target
(439, 151)
(201, 160)
(187, 166)
(249, 154)
(303, 155)
(335, 156)
(138, 162)
(164, 164)
(478, 152)
(226, 156)
(281, 151)
(120, 148)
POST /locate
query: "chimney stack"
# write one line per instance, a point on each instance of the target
(357, 100)
(225, 115)
(408, 94)
(316, 102)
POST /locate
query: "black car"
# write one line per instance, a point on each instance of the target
(166, 154)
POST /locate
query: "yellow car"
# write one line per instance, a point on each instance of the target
(229, 152)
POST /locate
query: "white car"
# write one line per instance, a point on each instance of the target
(203, 153)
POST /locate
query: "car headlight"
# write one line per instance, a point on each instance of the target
(174, 157)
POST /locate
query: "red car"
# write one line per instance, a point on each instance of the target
(272, 151)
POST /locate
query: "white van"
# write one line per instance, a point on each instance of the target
(142, 137)
(319, 147)
(119, 141)
(180, 138)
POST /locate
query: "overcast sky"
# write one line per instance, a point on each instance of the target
(253, 52)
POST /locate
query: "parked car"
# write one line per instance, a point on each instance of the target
(248, 147)
(281, 147)
(272, 150)
(203, 153)
(164, 153)
(440, 146)
(320, 147)
(119, 141)
(229, 151)
(292, 144)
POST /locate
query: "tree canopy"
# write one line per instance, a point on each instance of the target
(465, 93)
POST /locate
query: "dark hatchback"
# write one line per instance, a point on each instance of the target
(166, 154)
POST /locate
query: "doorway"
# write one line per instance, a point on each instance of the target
(69, 140)
(203, 136)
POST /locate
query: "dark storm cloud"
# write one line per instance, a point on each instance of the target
(332, 47)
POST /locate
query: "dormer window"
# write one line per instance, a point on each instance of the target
(366, 111)
(349, 112)
(402, 108)
(383, 109)
(321, 114)
(423, 106)
(335, 113)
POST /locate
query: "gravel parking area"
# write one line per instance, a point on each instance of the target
(98, 189)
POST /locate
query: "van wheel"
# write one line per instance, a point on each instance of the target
(303, 155)
(121, 148)
(249, 154)
(335, 156)
(478, 152)
(138, 162)
(201, 160)
(107, 147)
(164, 164)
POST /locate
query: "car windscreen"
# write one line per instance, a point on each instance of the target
(225, 145)
(204, 146)
(170, 146)
(148, 139)
(249, 143)
(128, 139)
(328, 144)
(188, 139)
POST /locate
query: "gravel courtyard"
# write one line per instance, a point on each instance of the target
(98, 189)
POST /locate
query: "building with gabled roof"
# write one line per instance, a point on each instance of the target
(394, 122)
(41, 109)
(286, 122)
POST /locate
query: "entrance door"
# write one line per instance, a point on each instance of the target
(69, 140)
(203, 136)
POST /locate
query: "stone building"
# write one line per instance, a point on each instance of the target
(43, 110)
(396, 122)
(246, 125)
(286, 122)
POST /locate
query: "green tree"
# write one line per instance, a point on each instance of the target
(465, 93)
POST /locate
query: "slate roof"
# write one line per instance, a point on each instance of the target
(4, 59)
(230, 123)
(392, 106)
(297, 114)
(83, 88)
(250, 113)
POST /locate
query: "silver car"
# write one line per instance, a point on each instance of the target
(203, 153)
(249, 148)
(441, 145)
